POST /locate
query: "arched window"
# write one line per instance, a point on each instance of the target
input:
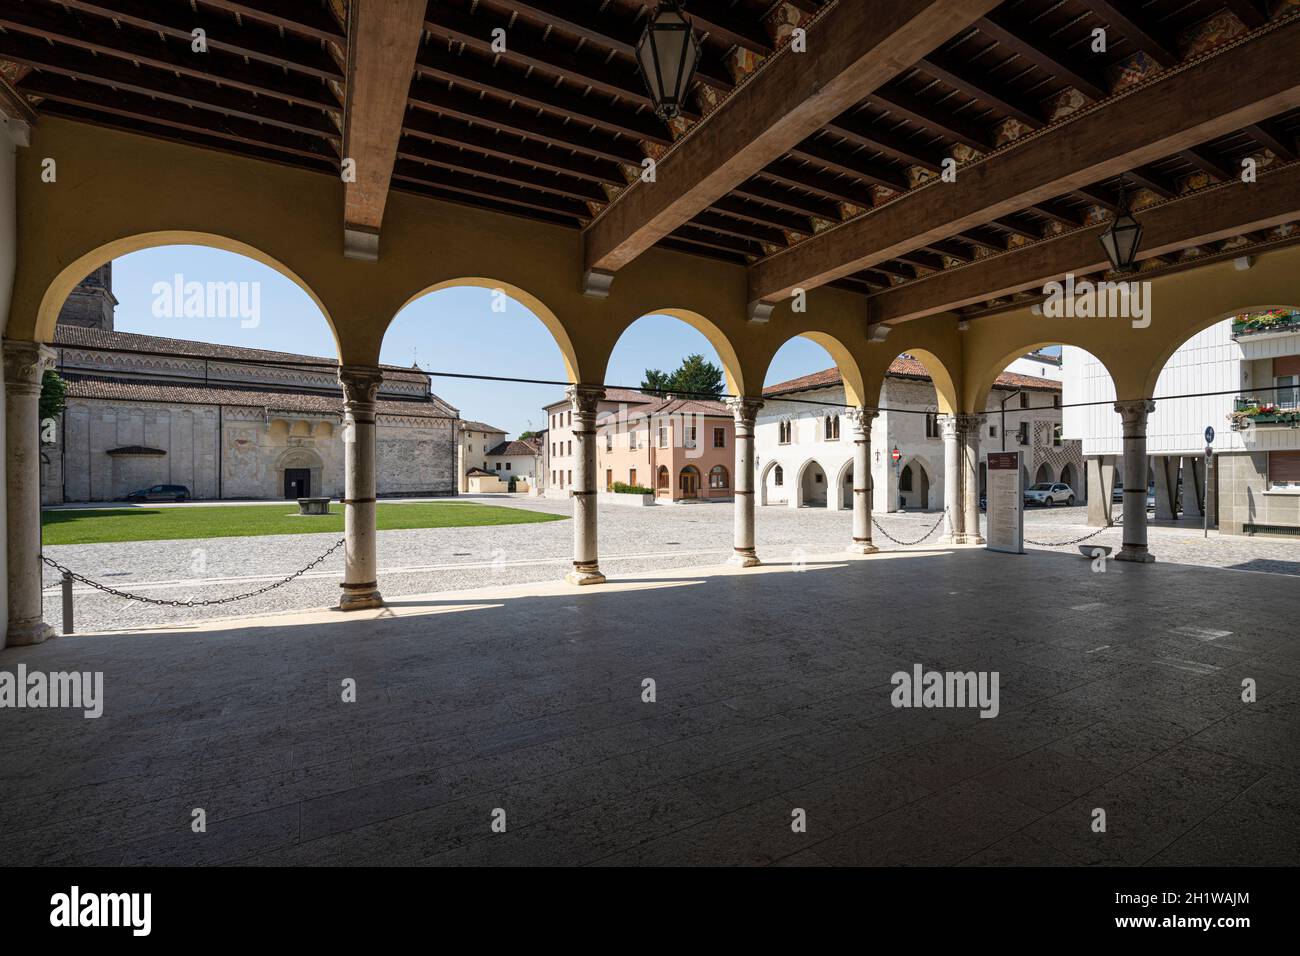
(832, 431)
(783, 431)
(778, 476)
(718, 477)
(661, 478)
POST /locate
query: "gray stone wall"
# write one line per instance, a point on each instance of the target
(1244, 497)
(415, 456)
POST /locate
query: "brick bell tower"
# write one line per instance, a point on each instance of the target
(90, 305)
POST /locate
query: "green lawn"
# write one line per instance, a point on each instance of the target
(96, 525)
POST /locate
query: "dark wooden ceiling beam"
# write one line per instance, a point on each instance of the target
(713, 240)
(1204, 217)
(763, 215)
(1018, 228)
(437, 63)
(954, 250)
(859, 45)
(1057, 211)
(1155, 182)
(472, 107)
(85, 66)
(148, 48)
(1249, 12)
(1278, 142)
(305, 17)
(748, 231)
(890, 143)
(980, 85)
(482, 187)
(780, 197)
(1132, 24)
(257, 41)
(507, 146)
(847, 163)
(1241, 85)
(1043, 51)
(517, 174)
(721, 22)
(814, 179)
(936, 119)
(1207, 161)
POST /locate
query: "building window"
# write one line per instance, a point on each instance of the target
(570, 451)
(778, 476)
(485, 467)
(690, 436)
(1284, 470)
(1024, 399)
(1056, 435)
(1022, 433)
(507, 466)
(717, 477)
(609, 440)
(931, 424)
(993, 431)
(663, 436)
(569, 420)
(783, 430)
(1288, 390)
(631, 442)
(719, 438)
(832, 428)
(1056, 401)
(570, 480)
(661, 478)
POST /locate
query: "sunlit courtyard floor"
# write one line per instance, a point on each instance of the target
(1119, 691)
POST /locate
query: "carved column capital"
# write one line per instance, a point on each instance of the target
(585, 399)
(745, 410)
(949, 427)
(860, 419)
(1134, 416)
(360, 384)
(968, 424)
(25, 364)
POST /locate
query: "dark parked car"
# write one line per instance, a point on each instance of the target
(160, 493)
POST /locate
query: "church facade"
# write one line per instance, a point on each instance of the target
(225, 422)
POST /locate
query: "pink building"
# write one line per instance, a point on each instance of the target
(683, 449)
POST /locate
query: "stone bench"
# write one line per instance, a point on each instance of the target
(314, 506)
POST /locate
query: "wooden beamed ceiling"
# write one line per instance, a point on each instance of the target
(806, 169)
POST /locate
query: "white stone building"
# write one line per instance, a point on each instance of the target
(473, 442)
(805, 451)
(1246, 373)
(513, 459)
(223, 421)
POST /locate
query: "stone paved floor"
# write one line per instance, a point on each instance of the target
(1118, 690)
(632, 540)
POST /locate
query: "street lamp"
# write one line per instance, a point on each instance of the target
(668, 53)
(1120, 241)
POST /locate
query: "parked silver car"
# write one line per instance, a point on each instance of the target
(1048, 493)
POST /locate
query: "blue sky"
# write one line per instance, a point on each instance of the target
(454, 330)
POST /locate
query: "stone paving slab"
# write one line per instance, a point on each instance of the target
(773, 693)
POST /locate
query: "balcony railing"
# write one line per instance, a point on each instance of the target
(1249, 410)
(1263, 323)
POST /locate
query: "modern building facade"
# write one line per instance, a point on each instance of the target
(805, 450)
(1242, 378)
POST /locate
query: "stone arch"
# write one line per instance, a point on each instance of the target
(299, 457)
(770, 472)
(61, 286)
(535, 305)
(1044, 474)
(1199, 326)
(1069, 476)
(945, 388)
(851, 376)
(844, 485)
(805, 481)
(732, 368)
(984, 379)
(918, 496)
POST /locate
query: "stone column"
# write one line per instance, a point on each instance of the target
(25, 365)
(1101, 486)
(745, 412)
(586, 565)
(360, 566)
(954, 514)
(1134, 415)
(969, 427)
(860, 419)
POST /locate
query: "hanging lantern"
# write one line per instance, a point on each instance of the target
(1121, 240)
(668, 53)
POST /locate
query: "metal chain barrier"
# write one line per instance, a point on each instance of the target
(1118, 522)
(908, 544)
(161, 603)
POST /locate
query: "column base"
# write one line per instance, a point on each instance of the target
(24, 634)
(582, 575)
(862, 547)
(1126, 553)
(972, 539)
(949, 539)
(744, 559)
(360, 597)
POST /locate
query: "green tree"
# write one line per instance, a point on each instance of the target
(524, 436)
(694, 378)
(54, 395)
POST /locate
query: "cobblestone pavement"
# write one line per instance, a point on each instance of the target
(632, 540)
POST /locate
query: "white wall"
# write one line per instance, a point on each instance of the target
(1209, 361)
